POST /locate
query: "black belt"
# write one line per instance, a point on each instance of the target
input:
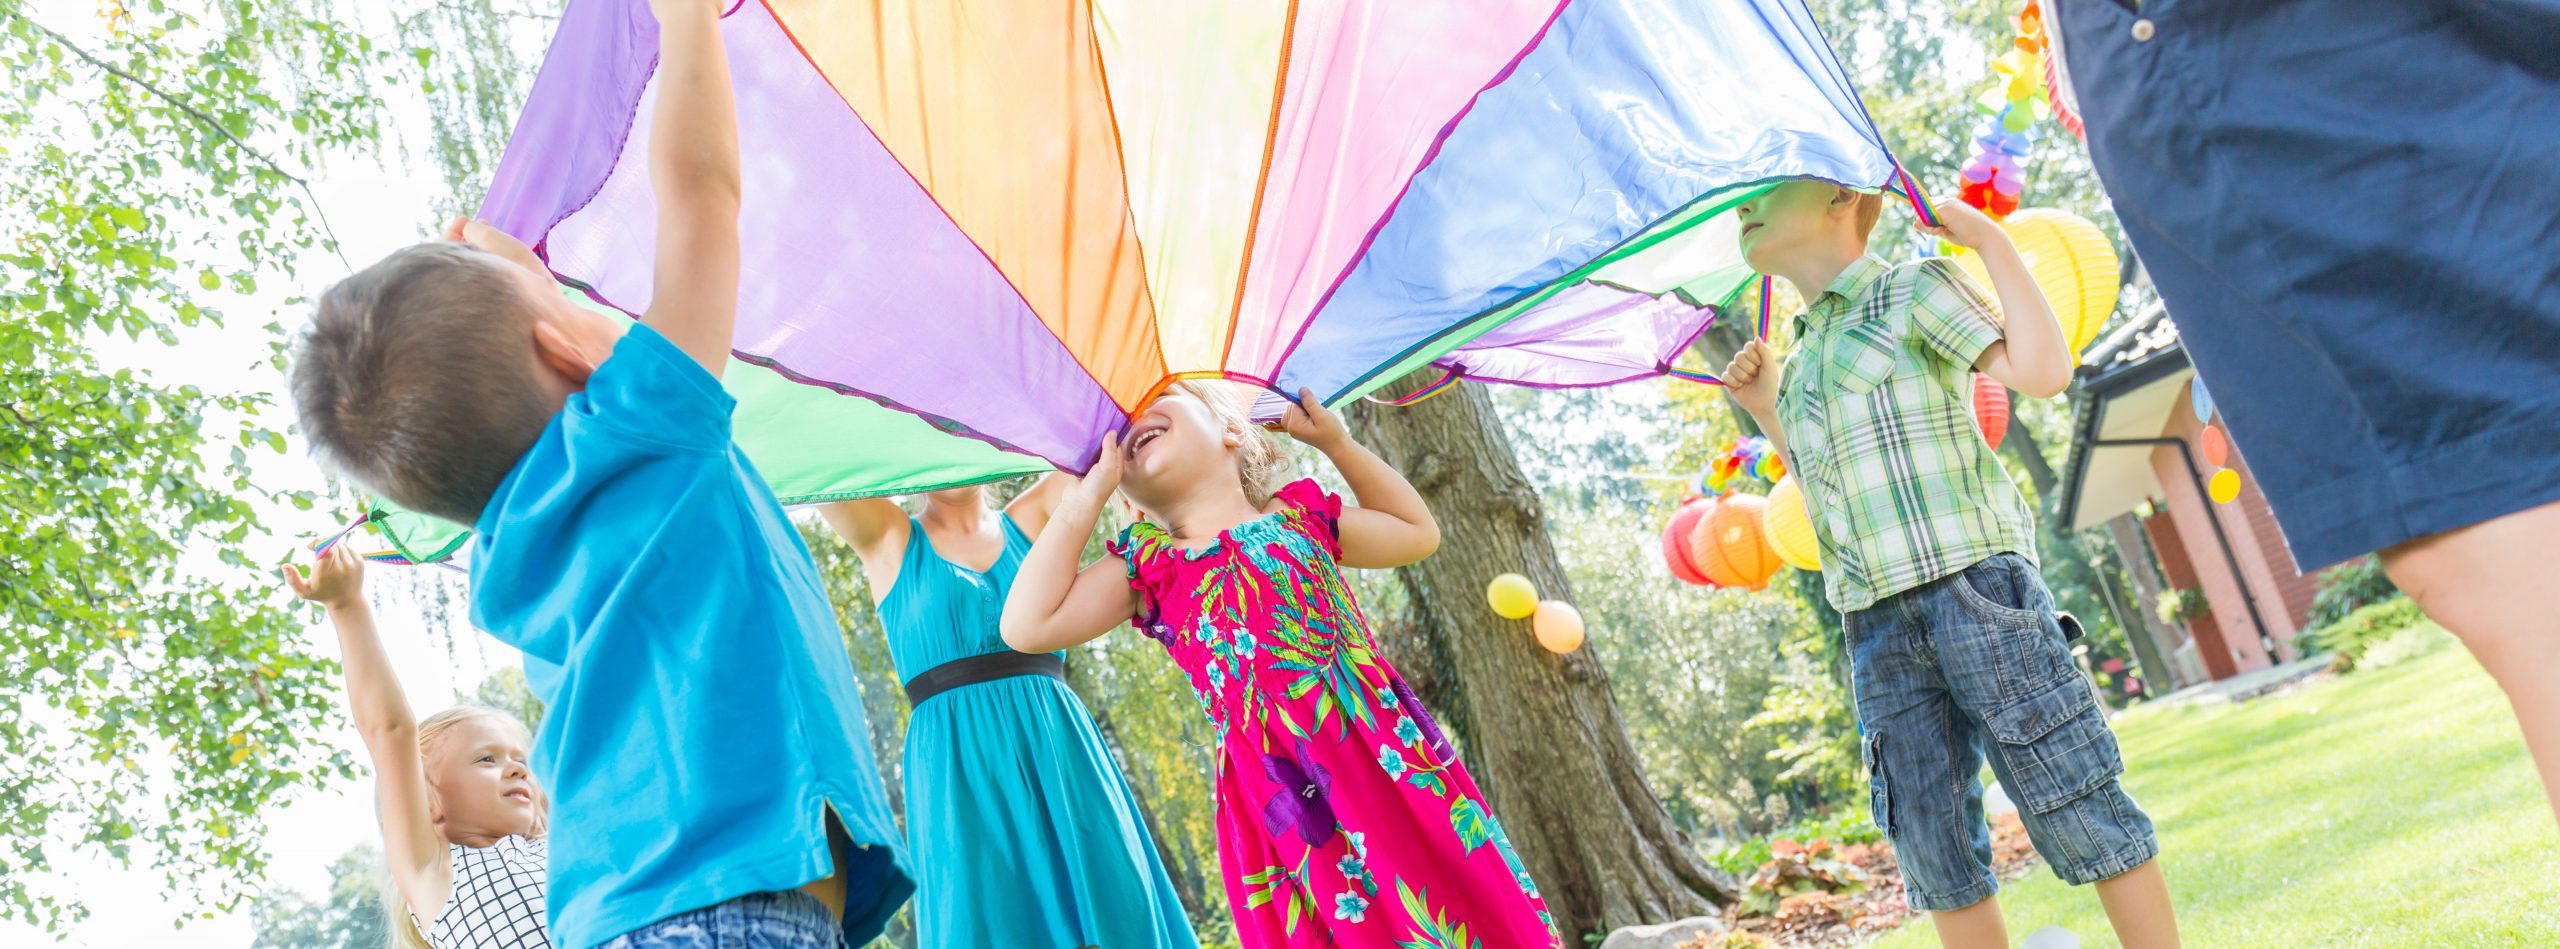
(987, 668)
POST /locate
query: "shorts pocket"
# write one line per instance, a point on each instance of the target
(2056, 744)
(1879, 801)
(1993, 599)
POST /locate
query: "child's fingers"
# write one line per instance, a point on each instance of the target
(293, 579)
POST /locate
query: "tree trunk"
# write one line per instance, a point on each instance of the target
(1539, 731)
(2147, 586)
(2021, 444)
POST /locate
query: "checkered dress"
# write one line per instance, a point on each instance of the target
(499, 897)
(1876, 403)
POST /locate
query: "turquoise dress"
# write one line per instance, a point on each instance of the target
(1022, 830)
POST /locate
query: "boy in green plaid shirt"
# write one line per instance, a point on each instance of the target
(1955, 650)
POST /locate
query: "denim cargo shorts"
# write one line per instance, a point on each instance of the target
(783, 919)
(1978, 665)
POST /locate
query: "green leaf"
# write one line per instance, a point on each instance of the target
(1468, 819)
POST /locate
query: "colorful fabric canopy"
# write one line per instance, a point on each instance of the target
(1018, 220)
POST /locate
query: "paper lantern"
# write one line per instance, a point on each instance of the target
(2215, 445)
(1558, 626)
(1512, 596)
(2073, 264)
(1790, 527)
(1675, 543)
(2224, 486)
(1729, 545)
(1991, 408)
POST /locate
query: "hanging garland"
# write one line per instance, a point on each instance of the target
(2010, 109)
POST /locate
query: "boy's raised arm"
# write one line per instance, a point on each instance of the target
(693, 168)
(2031, 356)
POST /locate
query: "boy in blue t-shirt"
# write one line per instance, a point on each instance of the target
(705, 743)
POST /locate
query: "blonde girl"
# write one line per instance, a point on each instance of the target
(1344, 816)
(462, 818)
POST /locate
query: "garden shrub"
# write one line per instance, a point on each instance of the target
(1850, 826)
(2349, 587)
(2352, 635)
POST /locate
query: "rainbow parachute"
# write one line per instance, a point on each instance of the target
(979, 234)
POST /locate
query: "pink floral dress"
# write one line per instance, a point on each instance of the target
(1344, 816)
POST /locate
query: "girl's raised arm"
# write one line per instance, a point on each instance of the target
(1389, 525)
(420, 868)
(1052, 605)
(1032, 508)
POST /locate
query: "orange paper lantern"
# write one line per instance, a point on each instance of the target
(1729, 544)
(1675, 542)
(1991, 408)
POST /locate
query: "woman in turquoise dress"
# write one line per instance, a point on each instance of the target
(1022, 830)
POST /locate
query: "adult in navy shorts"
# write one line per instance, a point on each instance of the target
(2352, 209)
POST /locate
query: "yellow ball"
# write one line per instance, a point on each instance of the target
(1790, 527)
(2073, 264)
(1512, 596)
(2224, 486)
(1558, 625)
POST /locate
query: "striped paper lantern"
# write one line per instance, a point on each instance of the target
(1730, 547)
(1991, 408)
(1675, 542)
(1790, 527)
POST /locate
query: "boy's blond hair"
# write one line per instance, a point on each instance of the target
(1866, 211)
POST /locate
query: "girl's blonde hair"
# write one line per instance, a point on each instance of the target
(401, 927)
(1259, 461)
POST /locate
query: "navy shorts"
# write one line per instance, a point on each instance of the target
(1972, 666)
(2352, 211)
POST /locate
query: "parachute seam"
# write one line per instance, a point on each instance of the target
(1261, 183)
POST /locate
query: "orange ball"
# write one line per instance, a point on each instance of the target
(2216, 446)
(1558, 625)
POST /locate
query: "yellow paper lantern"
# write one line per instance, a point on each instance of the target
(1558, 625)
(1790, 528)
(2073, 264)
(1729, 545)
(1512, 596)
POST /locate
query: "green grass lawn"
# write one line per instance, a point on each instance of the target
(2389, 807)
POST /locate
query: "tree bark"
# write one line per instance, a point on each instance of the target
(2021, 444)
(2147, 585)
(1540, 732)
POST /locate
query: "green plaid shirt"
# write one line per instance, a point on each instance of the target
(1877, 406)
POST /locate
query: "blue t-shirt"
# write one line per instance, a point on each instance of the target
(702, 714)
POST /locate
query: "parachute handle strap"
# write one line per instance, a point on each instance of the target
(1448, 380)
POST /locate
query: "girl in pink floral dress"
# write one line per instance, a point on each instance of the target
(1344, 817)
